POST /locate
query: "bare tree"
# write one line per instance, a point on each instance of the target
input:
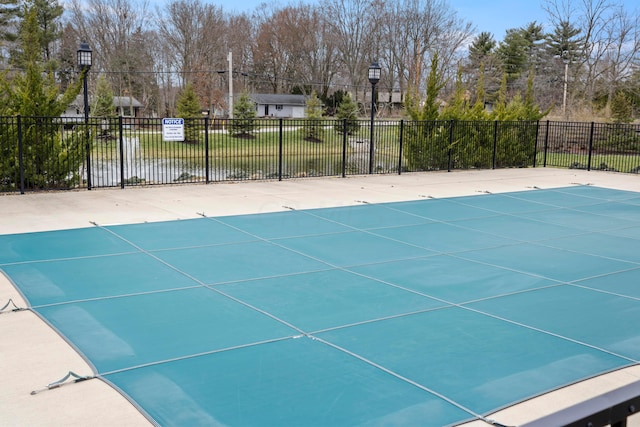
(415, 30)
(354, 25)
(116, 31)
(622, 51)
(276, 54)
(609, 44)
(317, 51)
(294, 50)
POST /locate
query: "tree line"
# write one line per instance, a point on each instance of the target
(583, 63)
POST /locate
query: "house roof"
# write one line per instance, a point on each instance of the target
(118, 101)
(271, 99)
(126, 101)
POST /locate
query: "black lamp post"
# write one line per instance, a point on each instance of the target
(84, 63)
(374, 78)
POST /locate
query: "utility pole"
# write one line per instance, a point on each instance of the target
(230, 59)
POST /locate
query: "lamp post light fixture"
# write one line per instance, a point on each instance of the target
(84, 63)
(374, 78)
(565, 59)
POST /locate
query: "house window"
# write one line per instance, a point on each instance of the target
(279, 107)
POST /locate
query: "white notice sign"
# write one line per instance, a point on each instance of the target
(173, 129)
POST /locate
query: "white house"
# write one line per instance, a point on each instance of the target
(284, 106)
(125, 106)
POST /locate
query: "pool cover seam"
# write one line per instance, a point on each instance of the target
(351, 353)
(310, 335)
(200, 354)
(198, 281)
(456, 223)
(464, 307)
(419, 293)
(34, 261)
(449, 304)
(562, 337)
(401, 377)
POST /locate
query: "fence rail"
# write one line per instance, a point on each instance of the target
(41, 153)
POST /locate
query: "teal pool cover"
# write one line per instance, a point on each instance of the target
(429, 313)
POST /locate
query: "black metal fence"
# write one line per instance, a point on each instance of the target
(39, 153)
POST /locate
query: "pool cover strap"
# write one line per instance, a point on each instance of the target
(10, 302)
(61, 382)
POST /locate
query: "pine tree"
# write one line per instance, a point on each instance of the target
(534, 38)
(431, 107)
(188, 108)
(457, 107)
(565, 42)
(103, 106)
(35, 96)
(103, 101)
(621, 108)
(313, 127)
(478, 111)
(35, 93)
(47, 18)
(347, 111)
(426, 144)
(243, 124)
(9, 11)
(513, 51)
(481, 48)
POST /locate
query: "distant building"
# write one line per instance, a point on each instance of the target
(125, 106)
(281, 106)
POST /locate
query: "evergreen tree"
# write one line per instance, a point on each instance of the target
(458, 106)
(426, 141)
(481, 48)
(532, 110)
(333, 101)
(534, 38)
(430, 110)
(34, 93)
(478, 111)
(103, 106)
(48, 14)
(482, 53)
(621, 108)
(35, 96)
(103, 100)
(347, 110)
(565, 42)
(9, 10)
(513, 52)
(188, 107)
(313, 127)
(243, 124)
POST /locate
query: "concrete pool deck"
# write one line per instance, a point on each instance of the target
(32, 355)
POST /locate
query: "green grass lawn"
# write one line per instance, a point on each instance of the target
(612, 162)
(261, 151)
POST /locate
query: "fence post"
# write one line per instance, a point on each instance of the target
(206, 149)
(451, 122)
(495, 144)
(20, 154)
(280, 136)
(546, 145)
(121, 143)
(590, 145)
(535, 144)
(400, 150)
(87, 142)
(344, 148)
